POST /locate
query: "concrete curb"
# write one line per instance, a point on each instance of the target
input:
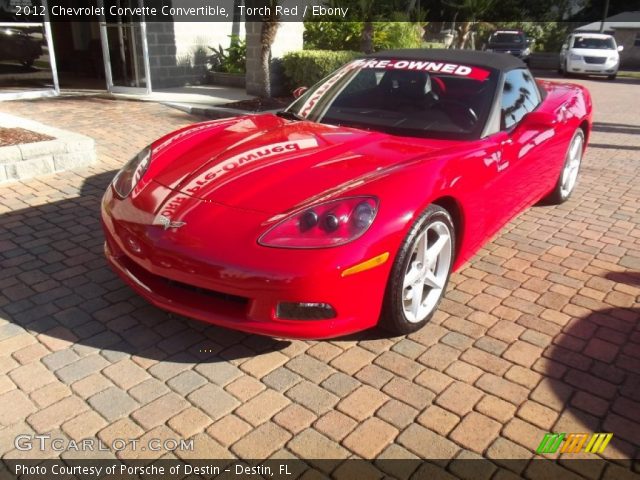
(206, 111)
(68, 150)
(213, 112)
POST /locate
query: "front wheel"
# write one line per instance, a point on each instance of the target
(611, 77)
(420, 272)
(569, 174)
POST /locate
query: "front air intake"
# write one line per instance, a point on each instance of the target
(304, 311)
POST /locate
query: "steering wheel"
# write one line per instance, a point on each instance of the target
(470, 117)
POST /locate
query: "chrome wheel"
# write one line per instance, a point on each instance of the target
(572, 166)
(427, 271)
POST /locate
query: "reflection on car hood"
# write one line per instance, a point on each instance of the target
(265, 163)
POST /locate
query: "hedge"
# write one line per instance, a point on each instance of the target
(308, 67)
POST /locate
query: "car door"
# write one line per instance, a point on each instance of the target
(519, 164)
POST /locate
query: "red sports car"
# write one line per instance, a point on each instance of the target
(351, 207)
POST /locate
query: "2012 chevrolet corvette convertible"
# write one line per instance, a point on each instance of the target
(351, 207)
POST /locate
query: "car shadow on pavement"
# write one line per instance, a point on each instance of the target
(615, 128)
(593, 370)
(610, 146)
(56, 284)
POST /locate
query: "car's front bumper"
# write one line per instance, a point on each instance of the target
(521, 54)
(582, 67)
(242, 291)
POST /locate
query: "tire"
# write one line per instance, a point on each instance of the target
(566, 184)
(612, 77)
(402, 312)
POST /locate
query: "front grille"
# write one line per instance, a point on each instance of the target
(204, 291)
(595, 60)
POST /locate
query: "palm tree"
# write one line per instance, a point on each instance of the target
(270, 24)
(366, 41)
(474, 9)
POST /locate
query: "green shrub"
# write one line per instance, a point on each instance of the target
(332, 35)
(232, 59)
(397, 32)
(308, 67)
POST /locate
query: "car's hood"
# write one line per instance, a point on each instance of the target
(594, 52)
(269, 164)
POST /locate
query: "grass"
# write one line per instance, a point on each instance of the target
(628, 74)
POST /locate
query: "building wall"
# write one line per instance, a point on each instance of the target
(178, 50)
(630, 56)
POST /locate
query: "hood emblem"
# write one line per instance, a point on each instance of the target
(166, 223)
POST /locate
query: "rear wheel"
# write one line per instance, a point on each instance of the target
(420, 272)
(569, 174)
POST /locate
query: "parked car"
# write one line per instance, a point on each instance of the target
(352, 206)
(19, 46)
(513, 42)
(590, 54)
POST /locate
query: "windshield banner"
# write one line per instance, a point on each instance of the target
(425, 66)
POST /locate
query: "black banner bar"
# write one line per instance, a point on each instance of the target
(29, 11)
(234, 469)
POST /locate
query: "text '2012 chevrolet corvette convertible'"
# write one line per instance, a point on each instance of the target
(351, 207)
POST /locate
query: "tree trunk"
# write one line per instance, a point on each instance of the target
(463, 34)
(366, 41)
(268, 36)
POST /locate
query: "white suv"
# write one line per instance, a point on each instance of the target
(590, 54)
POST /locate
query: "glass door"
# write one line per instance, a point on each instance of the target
(124, 45)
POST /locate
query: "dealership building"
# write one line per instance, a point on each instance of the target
(114, 51)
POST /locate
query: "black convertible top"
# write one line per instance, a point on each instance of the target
(497, 61)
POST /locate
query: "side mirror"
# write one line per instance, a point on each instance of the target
(298, 92)
(540, 119)
(620, 48)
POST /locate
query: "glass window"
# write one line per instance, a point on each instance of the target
(507, 37)
(594, 43)
(520, 95)
(401, 97)
(636, 42)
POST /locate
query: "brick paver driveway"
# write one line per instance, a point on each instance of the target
(540, 332)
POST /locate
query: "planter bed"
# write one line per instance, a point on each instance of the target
(45, 150)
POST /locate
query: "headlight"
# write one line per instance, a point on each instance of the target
(526, 51)
(612, 59)
(573, 56)
(324, 225)
(131, 173)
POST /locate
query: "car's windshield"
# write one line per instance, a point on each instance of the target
(403, 97)
(594, 42)
(506, 37)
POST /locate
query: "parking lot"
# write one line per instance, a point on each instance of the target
(540, 332)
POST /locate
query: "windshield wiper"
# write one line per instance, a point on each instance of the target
(289, 115)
